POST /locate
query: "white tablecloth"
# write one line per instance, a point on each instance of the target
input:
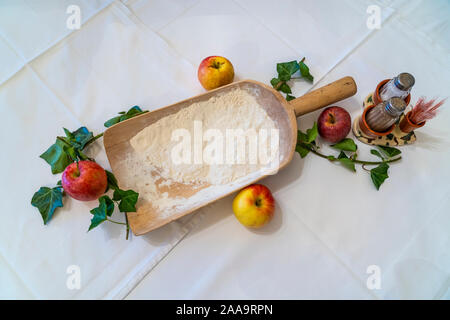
(329, 225)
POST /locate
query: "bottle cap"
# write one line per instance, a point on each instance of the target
(404, 81)
(395, 106)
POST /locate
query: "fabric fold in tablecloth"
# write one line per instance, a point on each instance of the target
(331, 225)
(129, 54)
(109, 65)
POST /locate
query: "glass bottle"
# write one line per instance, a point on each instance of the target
(385, 114)
(400, 86)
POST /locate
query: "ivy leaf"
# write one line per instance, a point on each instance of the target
(302, 150)
(379, 174)
(375, 152)
(390, 151)
(47, 200)
(132, 112)
(80, 137)
(346, 162)
(304, 71)
(308, 137)
(289, 97)
(346, 145)
(274, 82)
(127, 198)
(112, 122)
(286, 70)
(68, 134)
(71, 152)
(67, 149)
(112, 181)
(342, 155)
(57, 157)
(311, 134)
(105, 209)
(285, 88)
(301, 137)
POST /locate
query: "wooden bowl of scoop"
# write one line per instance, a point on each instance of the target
(283, 113)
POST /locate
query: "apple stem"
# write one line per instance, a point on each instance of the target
(353, 160)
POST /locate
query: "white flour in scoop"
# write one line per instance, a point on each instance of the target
(152, 156)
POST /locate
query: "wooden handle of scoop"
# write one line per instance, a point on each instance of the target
(331, 93)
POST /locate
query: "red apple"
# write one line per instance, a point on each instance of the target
(254, 206)
(84, 182)
(214, 72)
(334, 124)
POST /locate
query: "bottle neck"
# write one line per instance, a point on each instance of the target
(398, 84)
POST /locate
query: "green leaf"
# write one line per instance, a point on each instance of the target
(309, 137)
(112, 181)
(342, 155)
(80, 137)
(379, 174)
(68, 134)
(274, 82)
(375, 152)
(312, 133)
(127, 200)
(346, 162)
(132, 112)
(287, 69)
(105, 209)
(285, 88)
(390, 151)
(71, 152)
(57, 157)
(47, 200)
(302, 150)
(67, 149)
(289, 97)
(301, 137)
(112, 122)
(346, 145)
(304, 71)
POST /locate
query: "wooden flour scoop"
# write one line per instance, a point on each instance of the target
(283, 113)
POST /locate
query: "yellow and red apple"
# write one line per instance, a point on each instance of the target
(214, 72)
(254, 206)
